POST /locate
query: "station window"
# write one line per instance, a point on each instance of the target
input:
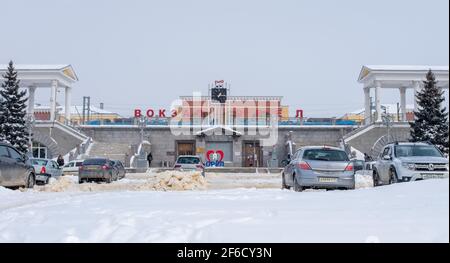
(39, 150)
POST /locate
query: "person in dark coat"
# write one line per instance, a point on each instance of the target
(60, 161)
(150, 159)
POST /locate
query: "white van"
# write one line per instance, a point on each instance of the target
(71, 168)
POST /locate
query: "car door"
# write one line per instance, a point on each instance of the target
(66, 168)
(55, 169)
(290, 168)
(5, 166)
(19, 169)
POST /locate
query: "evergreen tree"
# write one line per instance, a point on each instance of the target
(431, 122)
(2, 117)
(13, 109)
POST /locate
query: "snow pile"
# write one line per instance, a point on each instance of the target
(178, 181)
(363, 181)
(164, 181)
(62, 184)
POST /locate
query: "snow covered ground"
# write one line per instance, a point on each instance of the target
(229, 210)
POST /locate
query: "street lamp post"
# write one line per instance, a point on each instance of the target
(142, 123)
(387, 122)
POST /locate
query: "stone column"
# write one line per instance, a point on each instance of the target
(403, 103)
(31, 95)
(367, 104)
(378, 101)
(416, 87)
(54, 89)
(68, 103)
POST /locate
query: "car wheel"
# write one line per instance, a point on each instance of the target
(109, 179)
(297, 187)
(393, 179)
(375, 176)
(283, 182)
(30, 181)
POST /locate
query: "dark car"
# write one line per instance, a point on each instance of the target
(15, 168)
(358, 165)
(97, 169)
(120, 169)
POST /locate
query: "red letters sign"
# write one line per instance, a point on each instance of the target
(150, 113)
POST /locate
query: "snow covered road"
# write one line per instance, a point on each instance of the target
(410, 212)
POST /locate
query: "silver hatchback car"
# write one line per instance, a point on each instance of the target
(319, 167)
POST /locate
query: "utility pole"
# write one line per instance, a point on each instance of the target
(398, 112)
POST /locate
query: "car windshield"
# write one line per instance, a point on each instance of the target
(325, 155)
(188, 160)
(94, 162)
(38, 162)
(416, 150)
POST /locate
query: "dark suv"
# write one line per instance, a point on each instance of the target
(15, 168)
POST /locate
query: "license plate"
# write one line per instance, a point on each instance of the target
(433, 176)
(327, 180)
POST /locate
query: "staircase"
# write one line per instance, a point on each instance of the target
(372, 138)
(384, 140)
(113, 151)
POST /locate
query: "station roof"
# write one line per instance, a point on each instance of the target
(400, 69)
(40, 75)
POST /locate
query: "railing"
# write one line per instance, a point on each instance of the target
(78, 151)
(238, 122)
(66, 128)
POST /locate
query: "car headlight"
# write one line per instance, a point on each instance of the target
(410, 166)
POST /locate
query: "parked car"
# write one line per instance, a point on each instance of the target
(358, 165)
(45, 169)
(97, 169)
(189, 163)
(15, 168)
(319, 167)
(407, 161)
(72, 167)
(120, 169)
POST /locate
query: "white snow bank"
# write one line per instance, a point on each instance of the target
(3, 189)
(165, 181)
(363, 181)
(408, 212)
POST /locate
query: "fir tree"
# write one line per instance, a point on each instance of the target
(2, 117)
(431, 122)
(13, 109)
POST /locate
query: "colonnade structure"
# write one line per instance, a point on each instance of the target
(397, 77)
(55, 77)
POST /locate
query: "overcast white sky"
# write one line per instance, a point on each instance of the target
(136, 53)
